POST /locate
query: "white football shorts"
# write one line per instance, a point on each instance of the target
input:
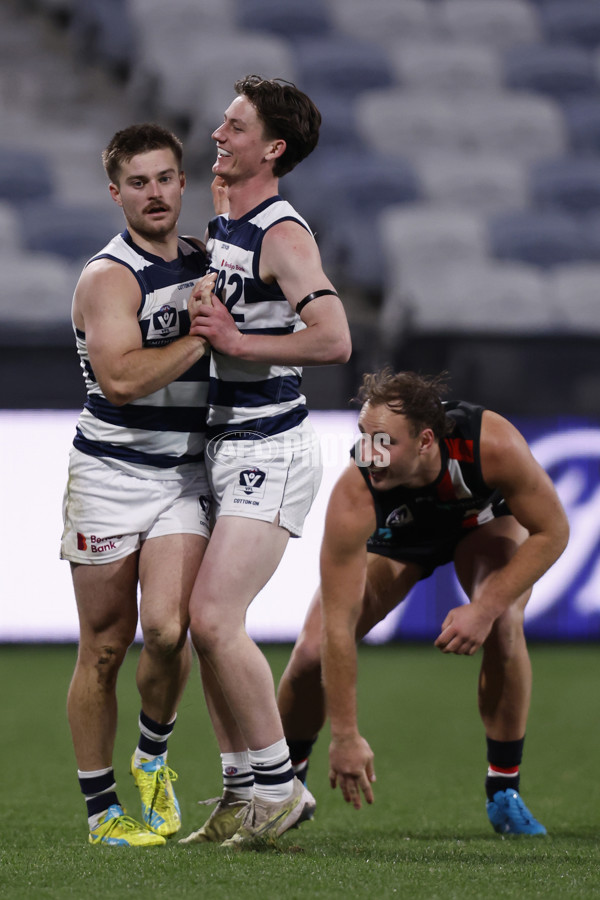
(267, 478)
(108, 513)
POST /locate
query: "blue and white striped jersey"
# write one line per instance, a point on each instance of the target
(248, 396)
(165, 429)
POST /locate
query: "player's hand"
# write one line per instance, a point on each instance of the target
(214, 323)
(202, 293)
(351, 766)
(220, 197)
(464, 630)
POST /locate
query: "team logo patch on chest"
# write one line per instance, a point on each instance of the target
(399, 517)
(164, 322)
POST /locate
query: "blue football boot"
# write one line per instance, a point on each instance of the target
(509, 815)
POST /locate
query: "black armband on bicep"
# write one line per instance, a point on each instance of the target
(314, 296)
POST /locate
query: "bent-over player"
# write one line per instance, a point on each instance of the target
(430, 483)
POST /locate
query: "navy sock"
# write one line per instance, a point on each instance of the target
(300, 751)
(153, 736)
(99, 790)
(504, 759)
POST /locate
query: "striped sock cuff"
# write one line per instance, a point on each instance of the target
(273, 771)
(153, 735)
(96, 782)
(497, 772)
(237, 774)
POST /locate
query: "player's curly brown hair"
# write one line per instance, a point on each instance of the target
(286, 112)
(418, 397)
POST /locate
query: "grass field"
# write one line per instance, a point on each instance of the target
(426, 836)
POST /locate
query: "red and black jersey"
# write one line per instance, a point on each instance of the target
(424, 524)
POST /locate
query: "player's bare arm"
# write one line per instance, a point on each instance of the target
(508, 464)
(105, 307)
(349, 522)
(290, 256)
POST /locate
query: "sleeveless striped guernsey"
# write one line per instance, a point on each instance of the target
(165, 429)
(249, 398)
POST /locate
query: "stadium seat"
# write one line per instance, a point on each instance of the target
(57, 10)
(211, 76)
(571, 184)
(574, 21)
(347, 191)
(559, 70)
(582, 121)
(421, 239)
(72, 232)
(476, 182)
(445, 67)
(37, 290)
(103, 33)
(418, 242)
(409, 123)
(188, 13)
(541, 238)
(524, 127)
(357, 191)
(159, 82)
(574, 293)
(384, 20)
(25, 174)
(343, 65)
(494, 23)
(10, 233)
(293, 21)
(338, 120)
(590, 227)
(306, 187)
(486, 296)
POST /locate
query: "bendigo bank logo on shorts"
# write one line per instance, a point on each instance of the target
(251, 485)
(96, 545)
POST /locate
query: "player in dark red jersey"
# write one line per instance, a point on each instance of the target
(429, 483)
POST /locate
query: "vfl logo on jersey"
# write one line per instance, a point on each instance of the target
(399, 517)
(164, 322)
(251, 482)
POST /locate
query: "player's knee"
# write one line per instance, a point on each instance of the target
(166, 640)
(305, 659)
(508, 636)
(208, 631)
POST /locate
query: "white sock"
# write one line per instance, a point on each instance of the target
(273, 773)
(140, 756)
(237, 774)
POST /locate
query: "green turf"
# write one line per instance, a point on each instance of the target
(426, 836)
